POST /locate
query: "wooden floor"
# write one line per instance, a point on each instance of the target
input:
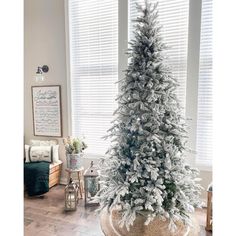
(45, 216)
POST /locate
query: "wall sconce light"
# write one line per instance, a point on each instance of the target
(39, 73)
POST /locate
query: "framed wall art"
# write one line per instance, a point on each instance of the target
(46, 105)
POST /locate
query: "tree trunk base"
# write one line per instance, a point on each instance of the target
(110, 227)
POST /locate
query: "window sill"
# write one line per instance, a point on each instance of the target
(202, 167)
(92, 156)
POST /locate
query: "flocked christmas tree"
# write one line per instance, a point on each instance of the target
(144, 171)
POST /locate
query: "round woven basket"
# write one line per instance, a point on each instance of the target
(110, 226)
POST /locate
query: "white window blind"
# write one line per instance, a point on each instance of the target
(173, 16)
(93, 30)
(205, 103)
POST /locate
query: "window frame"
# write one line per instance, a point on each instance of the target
(194, 40)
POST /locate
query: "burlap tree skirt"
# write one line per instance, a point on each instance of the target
(110, 227)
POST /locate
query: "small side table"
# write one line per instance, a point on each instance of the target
(80, 178)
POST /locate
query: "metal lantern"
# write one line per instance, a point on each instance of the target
(91, 184)
(71, 196)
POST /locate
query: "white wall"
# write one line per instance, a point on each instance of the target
(206, 177)
(44, 44)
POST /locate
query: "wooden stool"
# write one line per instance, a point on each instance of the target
(80, 178)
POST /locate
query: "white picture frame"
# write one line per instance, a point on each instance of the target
(47, 113)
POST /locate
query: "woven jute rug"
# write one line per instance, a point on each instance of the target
(110, 227)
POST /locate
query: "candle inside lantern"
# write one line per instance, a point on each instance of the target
(71, 201)
(71, 196)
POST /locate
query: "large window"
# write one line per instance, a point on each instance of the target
(93, 31)
(173, 16)
(204, 119)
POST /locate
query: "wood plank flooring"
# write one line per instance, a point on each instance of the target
(45, 216)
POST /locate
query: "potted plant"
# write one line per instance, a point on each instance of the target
(74, 146)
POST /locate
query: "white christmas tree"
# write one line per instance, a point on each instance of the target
(144, 171)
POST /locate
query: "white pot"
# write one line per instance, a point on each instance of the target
(73, 161)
